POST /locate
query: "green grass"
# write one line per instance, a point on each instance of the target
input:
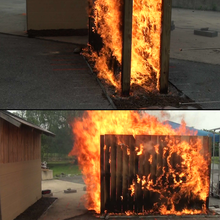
(215, 159)
(63, 167)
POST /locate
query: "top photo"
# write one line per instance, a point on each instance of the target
(110, 54)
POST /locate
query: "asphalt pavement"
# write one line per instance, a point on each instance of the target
(41, 74)
(46, 74)
(199, 81)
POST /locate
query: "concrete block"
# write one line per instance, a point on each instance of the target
(206, 33)
(70, 191)
(48, 195)
(46, 174)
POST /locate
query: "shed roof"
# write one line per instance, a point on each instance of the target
(18, 122)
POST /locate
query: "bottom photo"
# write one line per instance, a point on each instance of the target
(63, 165)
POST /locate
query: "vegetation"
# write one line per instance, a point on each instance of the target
(215, 160)
(64, 167)
(60, 123)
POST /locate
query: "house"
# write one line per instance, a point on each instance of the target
(20, 164)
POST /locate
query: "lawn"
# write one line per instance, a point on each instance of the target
(215, 160)
(63, 167)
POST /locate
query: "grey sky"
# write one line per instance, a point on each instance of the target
(197, 119)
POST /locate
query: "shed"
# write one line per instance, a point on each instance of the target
(20, 164)
(57, 17)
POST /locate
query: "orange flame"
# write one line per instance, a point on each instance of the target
(87, 131)
(146, 38)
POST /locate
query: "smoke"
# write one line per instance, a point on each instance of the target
(192, 118)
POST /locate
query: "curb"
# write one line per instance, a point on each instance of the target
(41, 38)
(100, 84)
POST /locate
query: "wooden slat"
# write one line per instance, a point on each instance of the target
(107, 173)
(20, 146)
(113, 172)
(5, 142)
(26, 150)
(188, 139)
(145, 166)
(34, 145)
(132, 176)
(126, 47)
(125, 175)
(1, 143)
(10, 143)
(119, 163)
(31, 145)
(138, 190)
(102, 173)
(165, 45)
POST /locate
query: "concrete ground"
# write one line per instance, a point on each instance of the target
(195, 60)
(42, 74)
(194, 64)
(68, 204)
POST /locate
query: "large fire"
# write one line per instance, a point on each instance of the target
(146, 38)
(87, 131)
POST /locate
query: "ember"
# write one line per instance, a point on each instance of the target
(188, 176)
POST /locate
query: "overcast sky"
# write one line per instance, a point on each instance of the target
(197, 119)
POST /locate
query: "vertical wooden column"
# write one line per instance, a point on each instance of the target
(165, 45)
(102, 173)
(126, 47)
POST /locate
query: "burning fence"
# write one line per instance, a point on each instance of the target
(167, 172)
(132, 46)
(149, 174)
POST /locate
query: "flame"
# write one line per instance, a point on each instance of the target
(146, 38)
(191, 179)
(150, 159)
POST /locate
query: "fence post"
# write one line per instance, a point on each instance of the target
(126, 47)
(165, 45)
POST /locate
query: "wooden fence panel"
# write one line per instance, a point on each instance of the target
(135, 171)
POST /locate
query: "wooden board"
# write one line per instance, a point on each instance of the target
(126, 47)
(5, 142)
(1, 143)
(119, 167)
(165, 45)
(102, 174)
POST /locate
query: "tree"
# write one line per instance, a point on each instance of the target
(58, 122)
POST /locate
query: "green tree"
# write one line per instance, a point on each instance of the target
(58, 122)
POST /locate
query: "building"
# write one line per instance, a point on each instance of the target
(57, 17)
(20, 164)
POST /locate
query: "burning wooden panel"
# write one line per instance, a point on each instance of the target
(148, 58)
(149, 174)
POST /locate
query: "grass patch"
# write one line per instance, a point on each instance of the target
(215, 160)
(63, 167)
